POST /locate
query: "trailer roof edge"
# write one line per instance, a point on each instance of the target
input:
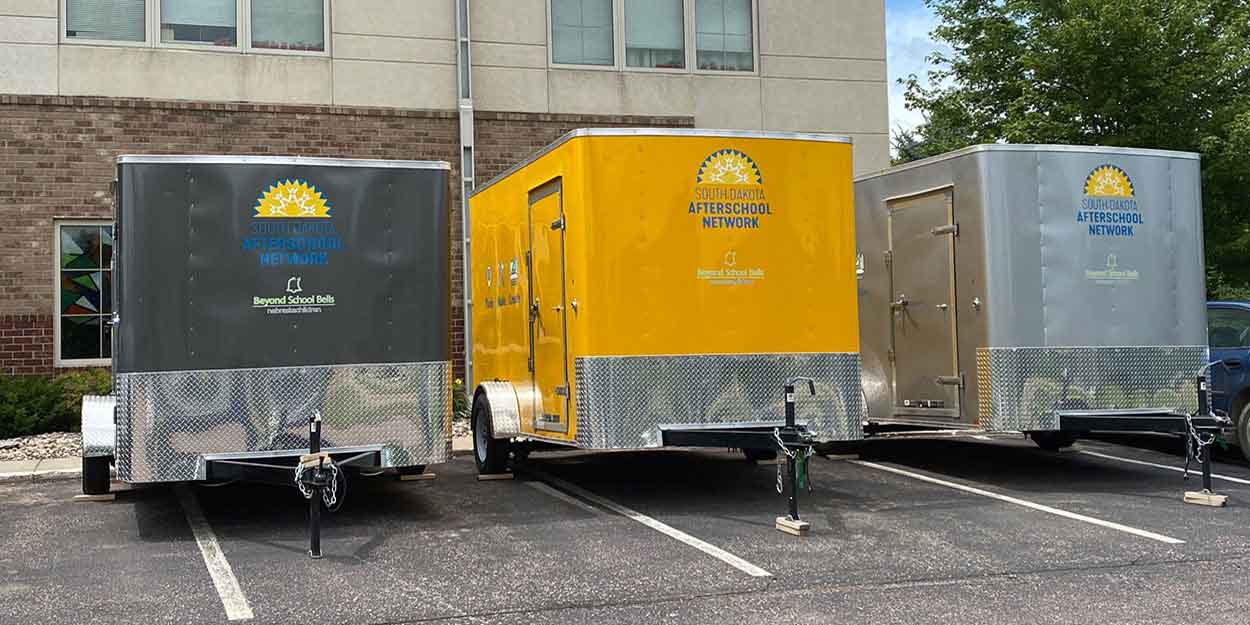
(661, 132)
(1030, 147)
(280, 160)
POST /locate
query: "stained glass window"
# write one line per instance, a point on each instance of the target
(84, 292)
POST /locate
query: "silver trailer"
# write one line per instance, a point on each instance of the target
(255, 299)
(1026, 288)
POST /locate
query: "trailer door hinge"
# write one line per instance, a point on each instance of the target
(889, 257)
(947, 229)
(890, 354)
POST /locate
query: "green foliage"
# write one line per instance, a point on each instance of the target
(38, 404)
(459, 400)
(1167, 74)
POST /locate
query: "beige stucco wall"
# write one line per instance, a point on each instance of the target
(821, 68)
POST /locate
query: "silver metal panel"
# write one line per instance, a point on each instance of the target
(504, 408)
(166, 421)
(1026, 386)
(663, 132)
(281, 160)
(1029, 271)
(1029, 148)
(623, 401)
(98, 430)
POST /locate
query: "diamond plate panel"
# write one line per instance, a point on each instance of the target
(167, 420)
(623, 400)
(1021, 388)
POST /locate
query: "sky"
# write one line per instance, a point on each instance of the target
(907, 26)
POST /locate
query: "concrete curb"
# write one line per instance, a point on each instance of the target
(48, 469)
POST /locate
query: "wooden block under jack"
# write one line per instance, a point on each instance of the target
(420, 477)
(490, 477)
(1203, 498)
(791, 526)
(104, 497)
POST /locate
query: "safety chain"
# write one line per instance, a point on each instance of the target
(1196, 443)
(791, 454)
(329, 494)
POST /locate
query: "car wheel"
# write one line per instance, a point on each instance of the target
(1243, 431)
(489, 453)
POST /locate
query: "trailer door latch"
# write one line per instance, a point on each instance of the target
(947, 229)
(558, 224)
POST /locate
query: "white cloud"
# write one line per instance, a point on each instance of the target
(907, 31)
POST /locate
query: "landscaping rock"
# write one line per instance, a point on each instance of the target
(42, 446)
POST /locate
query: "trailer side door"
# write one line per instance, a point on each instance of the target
(927, 380)
(548, 326)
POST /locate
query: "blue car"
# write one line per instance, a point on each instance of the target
(1228, 333)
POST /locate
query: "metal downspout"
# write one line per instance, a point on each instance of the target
(465, 86)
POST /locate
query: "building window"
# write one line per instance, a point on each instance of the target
(723, 37)
(83, 293)
(108, 20)
(289, 25)
(207, 22)
(581, 32)
(655, 33)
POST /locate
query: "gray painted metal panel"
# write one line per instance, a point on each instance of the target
(193, 256)
(252, 293)
(1042, 264)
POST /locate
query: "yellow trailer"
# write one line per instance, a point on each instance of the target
(636, 288)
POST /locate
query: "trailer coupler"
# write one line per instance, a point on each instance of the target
(795, 443)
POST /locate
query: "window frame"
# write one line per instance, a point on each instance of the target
(57, 361)
(620, 64)
(755, 46)
(243, 33)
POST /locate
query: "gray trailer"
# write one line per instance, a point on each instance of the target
(1051, 290)
(257, 299)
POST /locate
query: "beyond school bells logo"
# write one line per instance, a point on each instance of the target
(292, 225)
(729, 192)
(1109, 208)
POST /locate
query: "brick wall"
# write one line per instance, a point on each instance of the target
(56, 161)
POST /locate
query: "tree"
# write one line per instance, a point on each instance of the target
(1167, 74)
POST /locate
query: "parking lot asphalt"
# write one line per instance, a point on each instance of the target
(914, 531)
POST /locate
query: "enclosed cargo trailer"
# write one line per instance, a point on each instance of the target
(254, 295)
(640, 288)
(1043, 289)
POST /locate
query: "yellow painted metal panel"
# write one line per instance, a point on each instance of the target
(672, 245)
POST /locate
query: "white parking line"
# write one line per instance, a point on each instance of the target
(569, 499)
(1027, 504)
(1197, 472)
(237, 608)
(667, 530)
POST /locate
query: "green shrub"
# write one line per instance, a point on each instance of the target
(39, 404)
(459, 400)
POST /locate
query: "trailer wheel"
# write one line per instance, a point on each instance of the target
(757, 455)
(1053, 441)
(1243, 431)
(95, 475)
(489, 453)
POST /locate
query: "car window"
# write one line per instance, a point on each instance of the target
(1227, 327)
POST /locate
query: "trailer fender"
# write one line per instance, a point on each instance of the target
(99, 427)
(505, 409)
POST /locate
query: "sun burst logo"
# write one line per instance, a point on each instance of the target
(292, 199)
(1108, 181)
(729, 167)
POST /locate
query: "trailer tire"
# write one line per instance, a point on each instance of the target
(490, 454)
(1053, 441)
(95, 475)
(757, 455)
